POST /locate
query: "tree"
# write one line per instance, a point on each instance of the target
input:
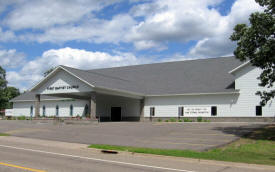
(49, 71)
(6, 93)
(256, 42)
(10, 93)
(3, 85)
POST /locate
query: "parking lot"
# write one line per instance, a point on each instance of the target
(195, 136)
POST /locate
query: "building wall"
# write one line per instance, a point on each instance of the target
(23, 108)
(234, 105)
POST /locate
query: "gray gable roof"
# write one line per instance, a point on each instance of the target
(180, 77)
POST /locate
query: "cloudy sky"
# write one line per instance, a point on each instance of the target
(36, 35)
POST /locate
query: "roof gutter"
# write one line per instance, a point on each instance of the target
(194, 94)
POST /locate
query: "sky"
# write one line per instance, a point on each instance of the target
(36, 35)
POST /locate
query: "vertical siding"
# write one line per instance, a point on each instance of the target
(23, 108)
(168, 106)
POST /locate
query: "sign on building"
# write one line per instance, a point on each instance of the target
(8, 112)
(197, 111)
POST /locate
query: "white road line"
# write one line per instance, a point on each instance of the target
(96, 159)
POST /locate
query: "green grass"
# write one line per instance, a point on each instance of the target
(4, 134)
(257, 148)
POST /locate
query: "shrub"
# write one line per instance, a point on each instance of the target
(21, 118)
(187, 120)
(166, 120)
(173, 120)
(159, 120)
(179, 120)
(199, 119)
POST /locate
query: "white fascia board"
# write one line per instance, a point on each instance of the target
(45, 79)
(195, 94)
(53, 72)
(41, 100)
(77, 77)
(239, 67)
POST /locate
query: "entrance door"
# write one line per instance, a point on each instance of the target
(115, 113)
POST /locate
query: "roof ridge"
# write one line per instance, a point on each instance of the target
(201, 59)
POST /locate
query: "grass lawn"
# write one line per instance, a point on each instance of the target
(4, 134)
(257, 148)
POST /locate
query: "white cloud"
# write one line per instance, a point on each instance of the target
(7, 35)
(220, 44)
(92, 30)
(45, 13)
(11, 58)
(33, 70)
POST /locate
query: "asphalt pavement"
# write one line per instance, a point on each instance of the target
(195, 136)
(24, 154)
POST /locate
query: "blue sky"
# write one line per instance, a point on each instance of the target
(37, 35)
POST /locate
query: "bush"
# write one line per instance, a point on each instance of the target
(179, 120)
(173, 120)
(159, 120)
(187, 120)
(21, 118)
(199, 119)
(166, 120)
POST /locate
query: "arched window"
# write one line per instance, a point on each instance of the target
(86, 110)
(56, 110)
(71, 110)
(44, 111)
(31, 111)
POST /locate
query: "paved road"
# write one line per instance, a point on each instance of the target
(23, 154)
(196, 136)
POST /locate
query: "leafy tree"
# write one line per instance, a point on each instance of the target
(10, 93)
(3, 85)
(6, 93)
(255, 42)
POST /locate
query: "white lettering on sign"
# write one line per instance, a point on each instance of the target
(197, 111)
(63, 87)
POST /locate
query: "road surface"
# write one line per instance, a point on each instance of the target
(24, 154)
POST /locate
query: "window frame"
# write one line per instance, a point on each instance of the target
(71, 110)
(214, 109)
(44, 111)
(56, 110)
(152, 111)
(259, 110)
(180, 111)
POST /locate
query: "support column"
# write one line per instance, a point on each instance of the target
(37, 105)
(93, 106)
(142, 109)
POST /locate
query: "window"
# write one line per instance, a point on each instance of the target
(180, 111)
(31, 111)
(71, 110)
(258, 110)
(44, 111)
(152, 111)
(214, 111)
(56, 110)
(86, 110)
